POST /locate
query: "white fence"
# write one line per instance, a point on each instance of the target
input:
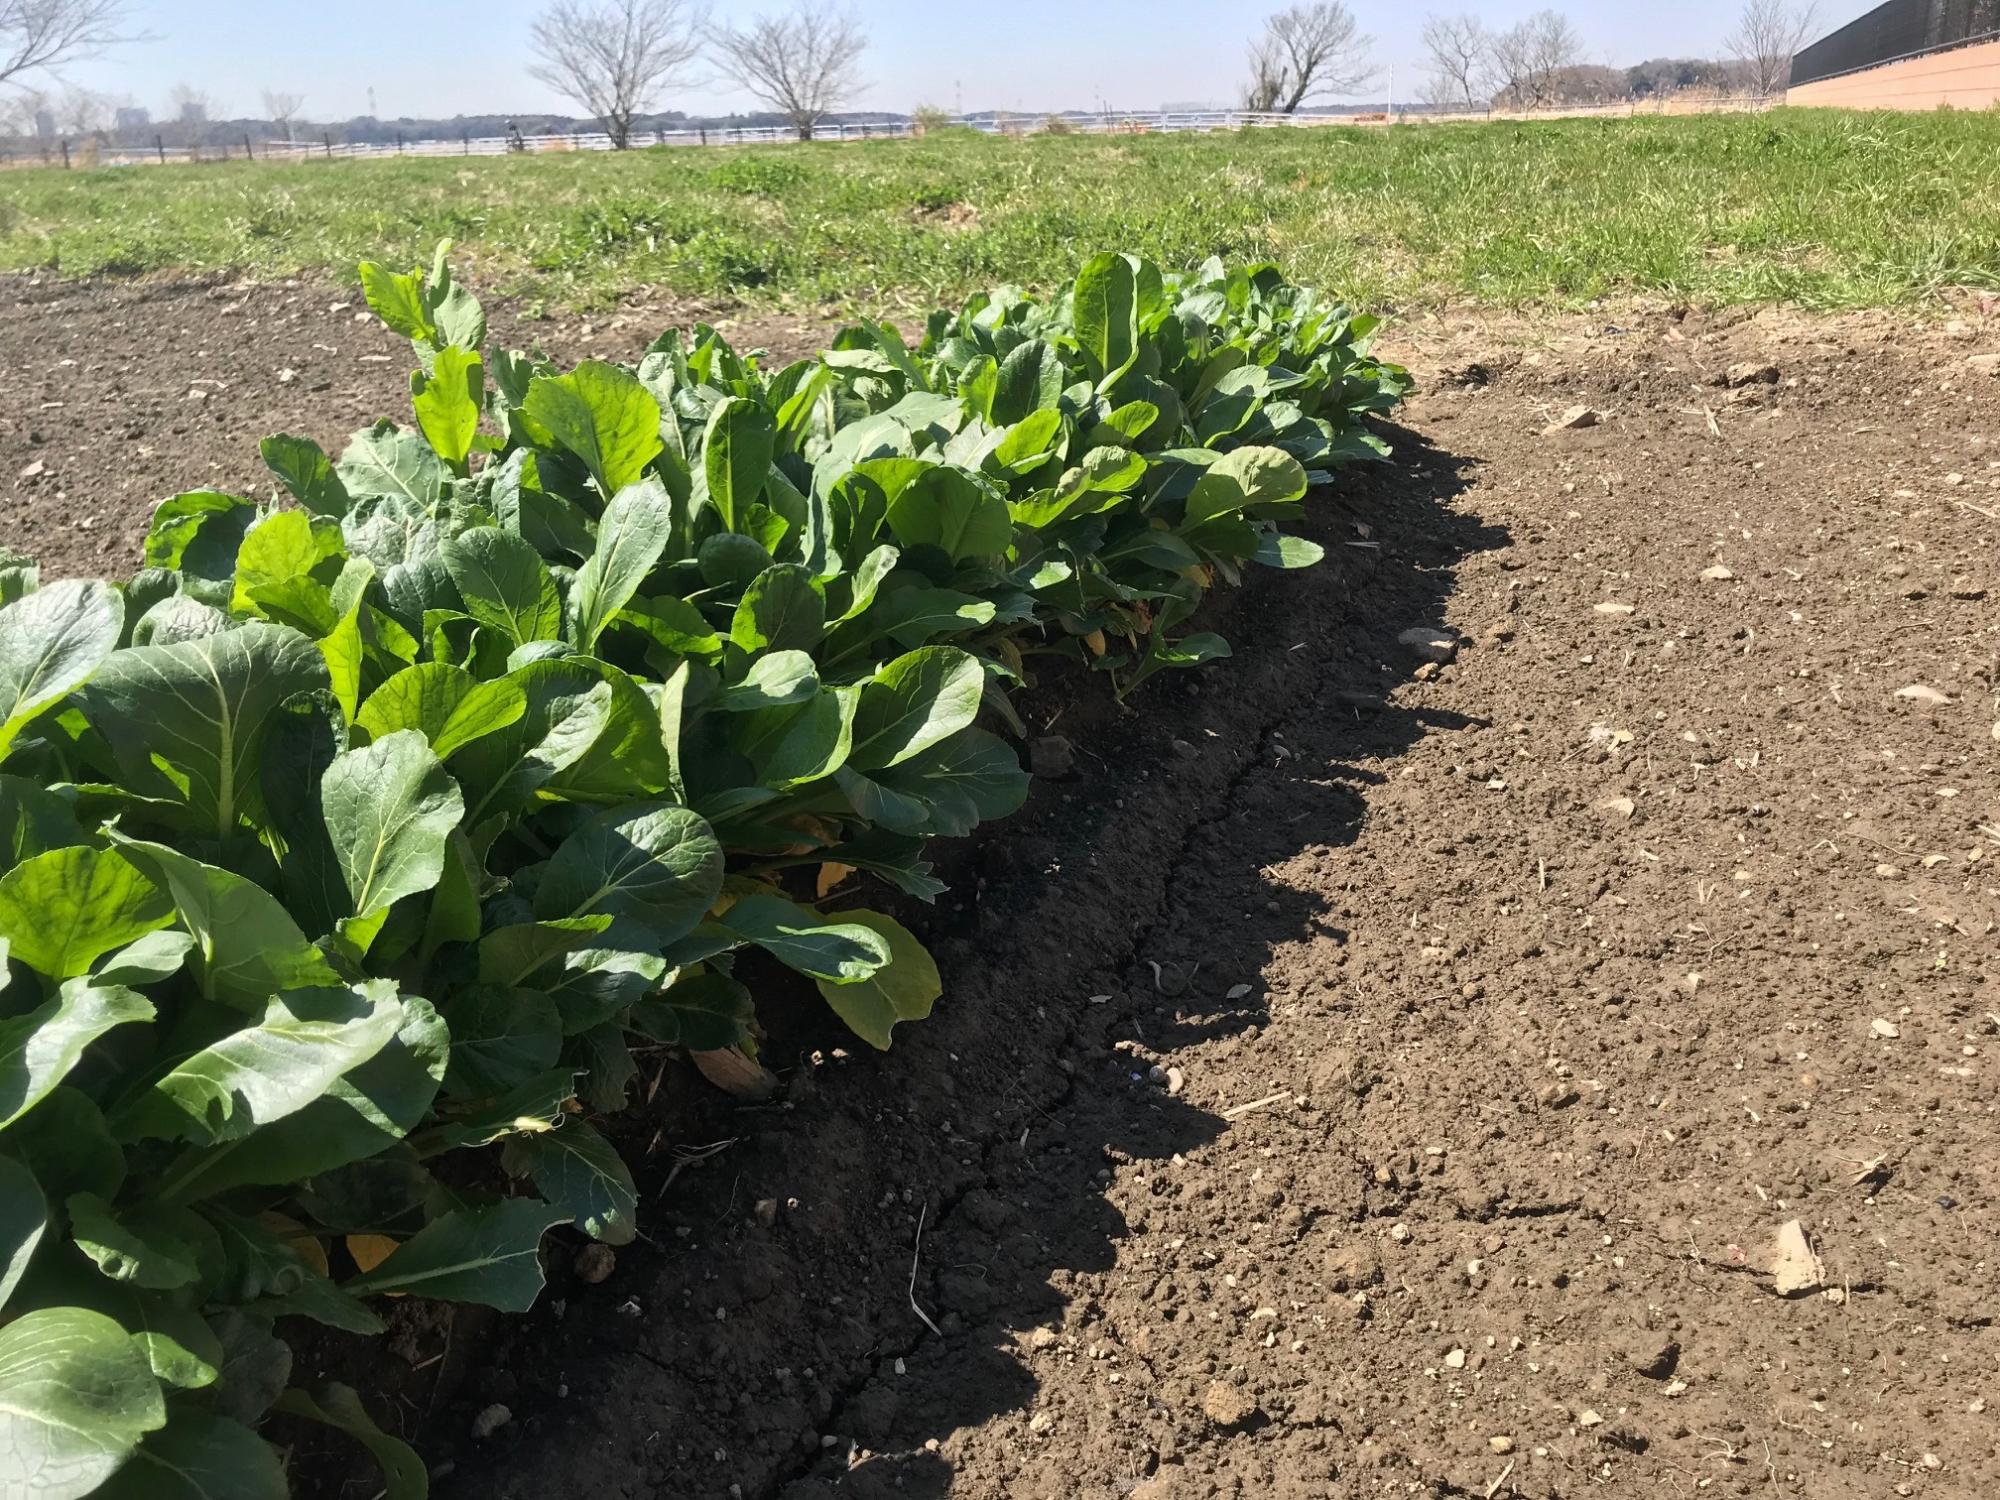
(1125, 123)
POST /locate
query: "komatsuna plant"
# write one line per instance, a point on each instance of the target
(372, 826)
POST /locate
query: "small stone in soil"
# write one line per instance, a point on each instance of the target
(1576, 416)
(1750, 372)
(1918, 692)
(1052, 757)
(1429, 643)
(1500, 1443)
(1226, 1405)
(490, 1420)
(595, 1262)
(1652, 1355)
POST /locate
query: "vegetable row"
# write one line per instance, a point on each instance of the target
(380, 824)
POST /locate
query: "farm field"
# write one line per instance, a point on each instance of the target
(1819, 207)
(1361, 1069)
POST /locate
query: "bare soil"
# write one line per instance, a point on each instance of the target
(1363, 1076)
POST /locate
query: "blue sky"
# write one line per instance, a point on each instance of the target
(446, 57)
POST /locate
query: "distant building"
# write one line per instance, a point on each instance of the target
(45, 124)
(131, 117)
(1905, 54)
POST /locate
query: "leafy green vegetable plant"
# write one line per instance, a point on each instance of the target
(370, 827)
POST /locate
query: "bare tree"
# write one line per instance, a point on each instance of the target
(804, 64)
(1307, 51)
(80, 112)
(48, 33)
(1766, 37)
(617, 57)
(19, 110)
(1531, 57)
(1267, 78)
(282, 108)
(1460, 50)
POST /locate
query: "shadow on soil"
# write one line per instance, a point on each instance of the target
(765, 1339)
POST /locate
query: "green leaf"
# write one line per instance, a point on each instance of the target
(781, 610)
(603, 415)
(63, 909)
(200, 1457)
(912, 703)
(255, 1363)
(971, 778)
(774, 680)
(631, 535)
(1244, 478)
(51, 641)
(580, 1174)
(33, 820)
(702, 1012)
(247, 944)
(1276, 550)
(142, 1250)
(78, 1398)
(949, 508)
(38, 1049)
(146, 960)
(388, 460)
(278, 549)
(198, 533)
(903, 991)
(787, 747)
(188, 722)
(23, 1217)
(801, 938)
(568, 704)
(488, 1255)
(361, 1114)
(346, 655)
(448, 705)
(504, 584)
(447, 401)
(736, 456)
(653, 862)
(66, 1138)
(305, 1040)
(1105, 312)
(307, 473)
(510, 955)
(397, 298)
(500, 1039)
(339, 1407)
(180, 1348)
(674, 623)
(388, 808)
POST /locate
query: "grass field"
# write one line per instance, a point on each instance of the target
(1824, 208)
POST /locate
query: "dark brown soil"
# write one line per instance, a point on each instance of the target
(119, 395)
(1503, 1012)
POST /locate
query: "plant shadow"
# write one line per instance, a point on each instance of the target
(881, 1259)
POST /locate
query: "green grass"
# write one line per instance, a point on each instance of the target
(1823, 208)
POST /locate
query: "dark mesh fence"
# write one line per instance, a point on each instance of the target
(1901, 28)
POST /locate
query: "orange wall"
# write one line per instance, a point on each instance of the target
(1965, 78)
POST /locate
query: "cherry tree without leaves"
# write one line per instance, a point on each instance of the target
(1307, 51)
(1766, 36)
(48, 33)
(804, 63)
(616, 57)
